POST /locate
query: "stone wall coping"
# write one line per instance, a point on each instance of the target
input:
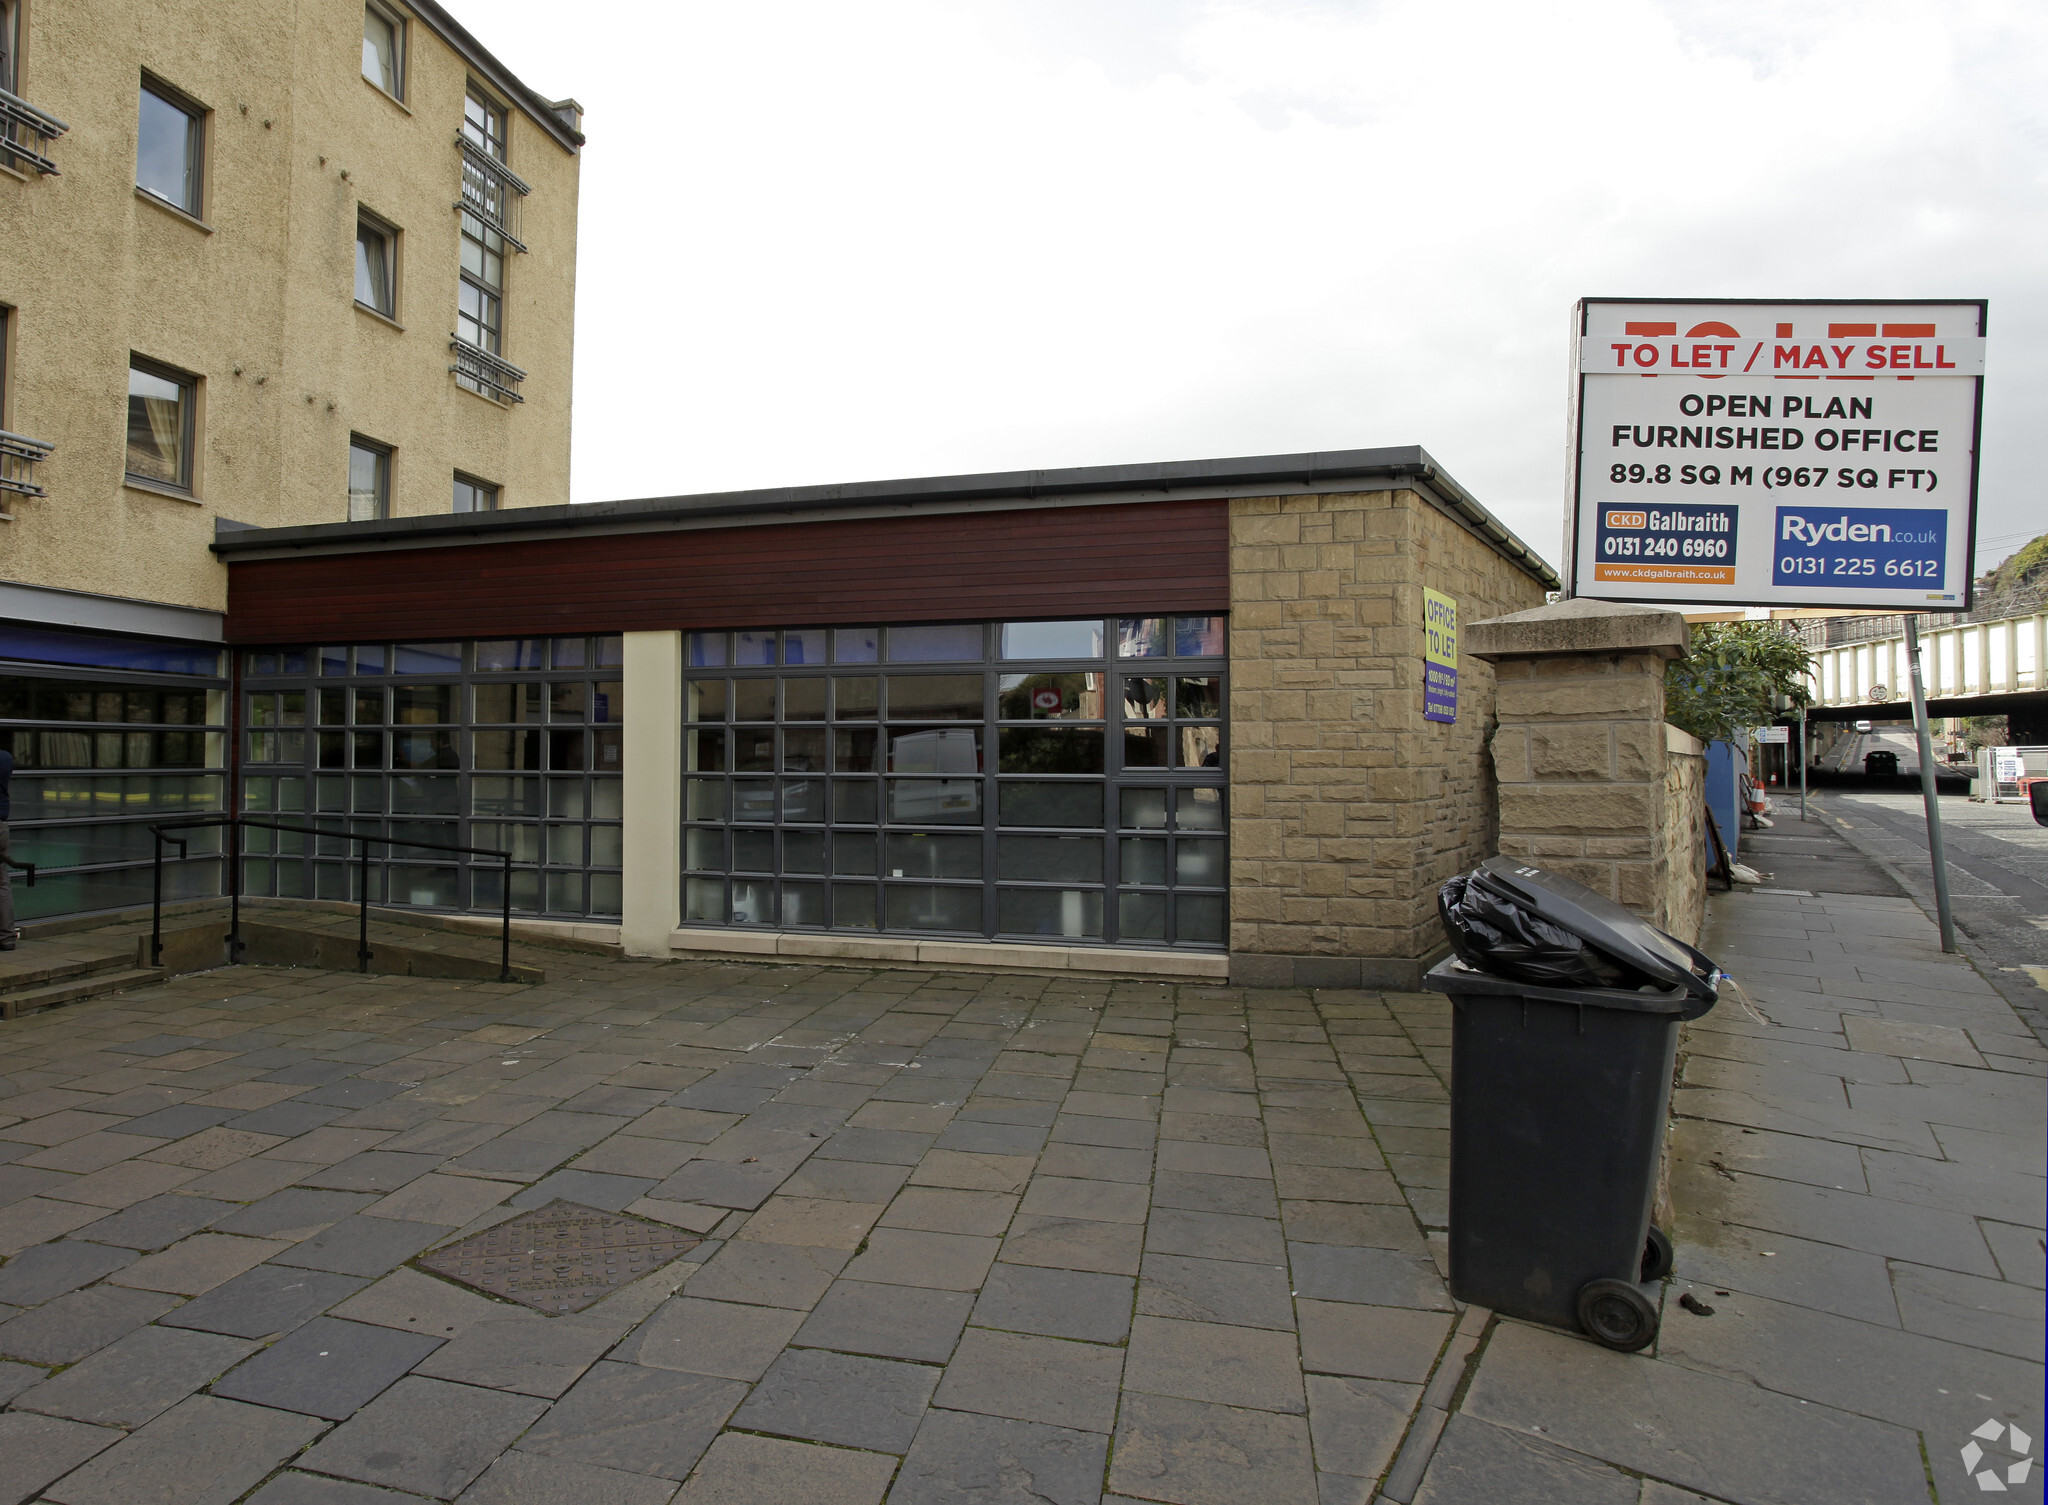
(1685, 744)
(1578, 625)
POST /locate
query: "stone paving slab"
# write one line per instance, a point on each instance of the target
(973, 1237)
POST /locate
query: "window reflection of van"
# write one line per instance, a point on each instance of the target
(935, 750)
(802, 800)
(939, 750)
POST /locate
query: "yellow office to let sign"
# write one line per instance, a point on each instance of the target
(1440, 619)
(1439, 656)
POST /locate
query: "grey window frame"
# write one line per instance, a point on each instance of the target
(195, 115)
(337, 794)
(401, 46)
(478, 489)
(494, 144)
(990, 882)
(385, 454)
(188, 427)
(378, 225)
(10, 47)
(492, 329)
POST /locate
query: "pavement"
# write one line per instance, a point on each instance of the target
(994, 1238)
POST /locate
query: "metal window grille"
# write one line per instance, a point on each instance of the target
(18, 457)
(25, 131)
(491, 191)
(483, 372)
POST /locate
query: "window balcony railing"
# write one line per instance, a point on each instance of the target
(25, 131)
(491, 191)
(484, 372)
(18, 457)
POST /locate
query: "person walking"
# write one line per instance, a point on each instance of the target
(8, 937)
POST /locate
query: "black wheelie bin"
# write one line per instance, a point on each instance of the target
(1566, 1010)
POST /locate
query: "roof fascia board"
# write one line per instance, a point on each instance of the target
(1105, 485)
(480, 60)
(52, 606)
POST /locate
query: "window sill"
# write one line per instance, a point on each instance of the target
(995, 956)
(12, 172)
(183, 215)
(384, 94)
(381, 318)
(158, 488)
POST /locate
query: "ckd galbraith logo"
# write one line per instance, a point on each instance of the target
(1990, 1480)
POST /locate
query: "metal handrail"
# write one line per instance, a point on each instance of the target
(26, 867)
(18, 112)
(234, 823)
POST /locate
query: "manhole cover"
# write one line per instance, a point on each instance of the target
(559, 1258)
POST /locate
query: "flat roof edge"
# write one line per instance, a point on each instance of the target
(1403, 462)
(542, 111)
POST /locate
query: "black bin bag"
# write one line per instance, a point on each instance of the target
(1565, 1021)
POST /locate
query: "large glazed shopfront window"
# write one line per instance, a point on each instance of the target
(1048, 781)
(109, 734)
(514, 744)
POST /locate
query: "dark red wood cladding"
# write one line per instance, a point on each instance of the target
(1032, 562)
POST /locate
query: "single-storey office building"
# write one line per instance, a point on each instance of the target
(1159, 720)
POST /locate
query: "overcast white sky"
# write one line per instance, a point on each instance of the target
(838, 242)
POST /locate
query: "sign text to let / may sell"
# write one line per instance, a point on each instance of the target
(1439, 657)
(1816, 454)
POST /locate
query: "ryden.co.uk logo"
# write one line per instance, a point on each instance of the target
(1989, 1479)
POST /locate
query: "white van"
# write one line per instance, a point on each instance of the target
(1863, 726)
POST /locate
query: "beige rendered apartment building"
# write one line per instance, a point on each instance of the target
(269, 264)
(261, 265)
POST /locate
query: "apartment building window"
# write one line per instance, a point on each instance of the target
(168, 151)
(480, 306)
(19, 454)
(24, 130)
(10, 44)
(369, 479)
(483, 122)
(384, 49)
(490, 190)
(472, 495)
(161, 408)
(376, 265)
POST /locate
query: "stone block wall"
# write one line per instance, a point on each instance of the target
(1593, 783)
(1684, 835)
(1348, 809)
(1580, 759)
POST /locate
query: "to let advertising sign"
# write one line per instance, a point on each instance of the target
(1776, 454)
(1439, 657)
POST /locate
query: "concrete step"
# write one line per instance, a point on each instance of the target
(33, 963)
(92, 985)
